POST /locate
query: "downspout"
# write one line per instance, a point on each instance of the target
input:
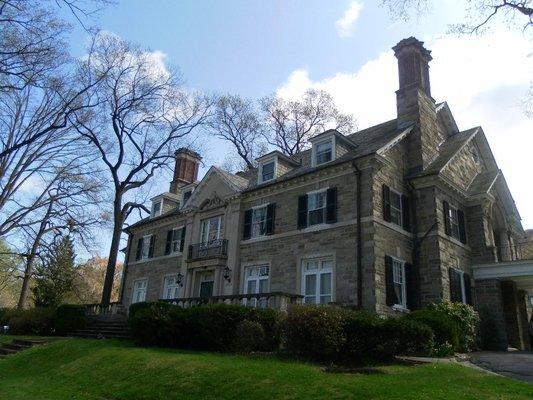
(359, 254)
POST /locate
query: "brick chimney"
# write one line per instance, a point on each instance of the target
(414, 103)
(186, 169)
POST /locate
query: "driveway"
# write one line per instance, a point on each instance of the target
(514, 364)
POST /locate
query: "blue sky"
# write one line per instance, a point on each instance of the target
(254, 48)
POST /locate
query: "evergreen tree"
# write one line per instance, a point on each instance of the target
(55, 276)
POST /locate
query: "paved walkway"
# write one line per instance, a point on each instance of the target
(514, 364)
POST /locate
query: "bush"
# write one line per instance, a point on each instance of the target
(466, 319)
(249, 336)
(35, 321)
(68, 318)
(362, 332)
(137, 307)
(156, 324)
(270, 321)
(444, 328)
(404, 336)
(314, 332)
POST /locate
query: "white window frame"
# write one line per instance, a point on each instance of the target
(257, 279)
(454, 224)
(133, 290)
(174, 242)
(260, 169)
(174, 287)
(160, 211)
(463, 286)
(314, 151)
(400, 210)
(255, 222)
(183, 201)
(324, 209)
(145, 251)
(398, 276)
(204, 235)
(318, 273)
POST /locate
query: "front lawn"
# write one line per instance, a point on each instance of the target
(91, 369)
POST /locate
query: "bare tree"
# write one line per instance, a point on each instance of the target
(479, 13)
(237, 121)
(290, 124)
(70, 209)
(142, 115)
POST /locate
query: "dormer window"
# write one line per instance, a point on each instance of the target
(156, 208)
(324, 152)
(186, 196)
(267, 170)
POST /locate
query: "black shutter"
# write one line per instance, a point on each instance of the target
(168, 244)
(271, 217)
(410, 286)
(386, 203)
(331, 206)
(183, 231)
(302, 212)
(392, 299)
(456, 294)
(462, 226)
(446, 214)
(406, 213)
(151, 248)
(138, 254)
(247, 231)
(468, 288)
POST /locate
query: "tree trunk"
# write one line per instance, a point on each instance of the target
(118, 220)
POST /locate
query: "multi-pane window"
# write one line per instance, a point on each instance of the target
(256, 281)
(267, 171)
(139, 290)
(316, 208)
(186, 196)
(395, 208)
(210, 229)
(145, 253)
(323, 152)
(170, 287)
(317, 282)
(177, 235)
(398, 273)
(259, 217)
(156, 208)
(454, 223)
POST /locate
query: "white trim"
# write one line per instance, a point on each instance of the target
(146, 240)
(329, 138)
(316, 192)
(401, 206)
(157, 214)
(317, 273)
(219, 231)
(509, 269)
(404, 284)
(172, 252)
(163, 289)
(133, 290)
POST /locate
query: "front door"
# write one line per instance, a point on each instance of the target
(207, 280)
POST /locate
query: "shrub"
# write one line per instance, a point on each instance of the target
(212, 327)
(249, 336)
(314, 332)
(444, 328)
(362, 332)
(35, 321)
(68, 318)
(404, 336)
(156, 324)
(138, 306)
(466, 319)
(270, 320)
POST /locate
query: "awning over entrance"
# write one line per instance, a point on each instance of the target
(519, 271)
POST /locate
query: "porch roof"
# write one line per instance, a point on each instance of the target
(520, 271)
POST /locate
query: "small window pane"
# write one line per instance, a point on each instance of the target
(268, 171)
(323, 152)
(325, 284)
(310, 285)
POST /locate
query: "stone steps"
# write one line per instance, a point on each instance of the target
(18, 345)
(105, 326)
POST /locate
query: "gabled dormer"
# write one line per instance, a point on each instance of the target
(329, 146)
(164, 203)
(273, 165)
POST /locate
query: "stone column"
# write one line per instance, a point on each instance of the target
(489, 302)
(512, 307)
(504, 245)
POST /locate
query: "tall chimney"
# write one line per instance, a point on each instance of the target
(186, 169)
(414, 103)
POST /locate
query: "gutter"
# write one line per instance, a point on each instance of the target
(359, 255)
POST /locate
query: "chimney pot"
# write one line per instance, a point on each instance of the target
(186, 168)
(413, 64)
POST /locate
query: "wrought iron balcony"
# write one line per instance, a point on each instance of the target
(211, 249)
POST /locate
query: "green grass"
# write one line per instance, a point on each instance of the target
(89, 369)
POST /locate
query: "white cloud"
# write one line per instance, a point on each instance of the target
(483, 79)
(346, 23)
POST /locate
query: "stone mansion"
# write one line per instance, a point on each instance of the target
(389, 219)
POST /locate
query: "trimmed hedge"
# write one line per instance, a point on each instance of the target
(218, 327)
(444, 328)
(68, 318)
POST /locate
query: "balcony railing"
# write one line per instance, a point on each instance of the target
(519, 251)
(98, 309)
(211, 249)
(276, 300)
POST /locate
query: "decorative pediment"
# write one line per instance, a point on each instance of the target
(215, 201)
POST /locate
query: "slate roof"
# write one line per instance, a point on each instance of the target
(483, 182)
